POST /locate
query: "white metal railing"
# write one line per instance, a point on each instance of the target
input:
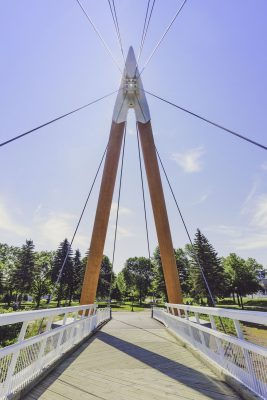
(244, 360)
(44, 336)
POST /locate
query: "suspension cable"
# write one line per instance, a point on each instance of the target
(186, 229)
(163, 36)
(55, 119)
(143, 31)
(117, 215)
(117, 28)
(145, 27)
(143, 194)
(100, 36)
(115, 21)
(209, 121)
(77, 226)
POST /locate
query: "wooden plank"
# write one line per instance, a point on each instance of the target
(132, 357)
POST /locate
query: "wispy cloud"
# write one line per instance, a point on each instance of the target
(8, 222)
(122, 233)
(54, 227)
(260, 213)
(190, 160)
(246, 205)
(254, 234)
(201, 199)
(264, 166)
(48, 230)
(122, 210)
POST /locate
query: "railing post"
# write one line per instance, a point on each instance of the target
(247, 357)
(218, 343)
(74, 328)
(14, 359)
(58, 350)
(191, 334)
(202, 338)
(42, 348)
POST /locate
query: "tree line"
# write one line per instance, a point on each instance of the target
(25, 272)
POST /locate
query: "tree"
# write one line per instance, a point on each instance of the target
(182, 264)
(8, 262)
(204, 254)
(242, 276)
(41, 284)
(23, 274)
(138, 275)
(77, 276)
(65, 276)
(116, 293)
(159, 286)
(120, 282)
(106, 277)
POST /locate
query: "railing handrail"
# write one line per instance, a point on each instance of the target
(257, 317)
(22, 316)
(233, 353)
(25, 359)
(225, 336)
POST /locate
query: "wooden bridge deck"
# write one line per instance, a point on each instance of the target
(132, 357)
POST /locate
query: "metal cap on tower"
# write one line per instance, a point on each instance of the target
(131, 93)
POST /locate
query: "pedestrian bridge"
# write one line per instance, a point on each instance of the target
(80, 353)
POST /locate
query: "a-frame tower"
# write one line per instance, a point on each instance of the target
(131, 95)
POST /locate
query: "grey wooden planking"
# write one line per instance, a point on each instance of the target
(132, 357)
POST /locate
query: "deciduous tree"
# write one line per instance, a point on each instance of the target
(138, 275)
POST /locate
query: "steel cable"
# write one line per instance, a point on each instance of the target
(54, 120)
(209, 121)
(163, 36)
(99, 35)
(116, 24)
(77, 226)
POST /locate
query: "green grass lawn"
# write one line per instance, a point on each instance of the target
(126, 306)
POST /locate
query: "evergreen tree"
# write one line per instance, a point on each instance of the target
(106, 277)
(182, 264)
(23, 274)
(81, 275)
(1, 280)
(63, 252)
(78, 271)
(211, 266)
(159, 286)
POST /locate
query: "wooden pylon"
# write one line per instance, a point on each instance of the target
(96, 249)
(131, 95)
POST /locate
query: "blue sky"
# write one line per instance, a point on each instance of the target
(213, 61)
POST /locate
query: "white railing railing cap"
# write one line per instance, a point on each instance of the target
(21, 316)
(257, 317)
(221, 335)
